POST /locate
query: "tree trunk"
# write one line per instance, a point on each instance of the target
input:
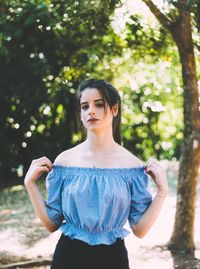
(183, 234)
(182, 239)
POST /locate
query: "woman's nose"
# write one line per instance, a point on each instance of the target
(91, 111)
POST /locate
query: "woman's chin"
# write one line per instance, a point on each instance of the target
(93, 128)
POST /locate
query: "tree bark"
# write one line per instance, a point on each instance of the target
(183, 234)
(182, 239)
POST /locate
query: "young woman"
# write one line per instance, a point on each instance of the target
(95, 187)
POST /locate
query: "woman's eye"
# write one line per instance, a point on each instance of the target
(100, 105)
(84, 107)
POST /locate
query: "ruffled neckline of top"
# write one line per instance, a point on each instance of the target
(98, 170)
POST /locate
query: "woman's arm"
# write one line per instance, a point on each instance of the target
(149, 217)
(36, 169)
(156, 171)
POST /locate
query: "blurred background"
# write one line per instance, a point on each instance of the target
(149, 50)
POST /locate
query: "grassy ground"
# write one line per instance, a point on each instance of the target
(23, 237)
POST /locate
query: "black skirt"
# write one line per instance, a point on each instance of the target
(76, 254)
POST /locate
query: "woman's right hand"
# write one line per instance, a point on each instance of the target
(37, 168)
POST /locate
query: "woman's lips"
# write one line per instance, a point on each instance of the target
(92, 120)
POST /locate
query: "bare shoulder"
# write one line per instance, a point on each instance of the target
(67, 157)
(130, 158)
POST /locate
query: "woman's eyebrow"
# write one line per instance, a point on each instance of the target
(97, 100)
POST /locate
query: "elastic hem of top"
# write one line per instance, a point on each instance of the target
(93, 238)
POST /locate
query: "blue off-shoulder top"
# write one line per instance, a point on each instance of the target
(93, 204)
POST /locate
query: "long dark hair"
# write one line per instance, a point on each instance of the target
(111, 96)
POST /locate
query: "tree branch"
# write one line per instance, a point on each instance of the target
(183, 6)
(27, 264)
(158, 14)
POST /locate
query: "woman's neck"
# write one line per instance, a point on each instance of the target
(100, 142)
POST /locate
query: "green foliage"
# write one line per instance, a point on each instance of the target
(152, 114)
(145, 40)
(48, 47)
(148, 77)
(45, 50)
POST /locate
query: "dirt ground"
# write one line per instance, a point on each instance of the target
(146, 253)
(23, 237)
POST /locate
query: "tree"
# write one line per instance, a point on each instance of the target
(150, 89)
(178, 21)
(45, 52)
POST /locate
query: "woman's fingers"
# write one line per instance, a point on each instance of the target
(157, 172)
(42, 169)
(44, 161)
(37, 168)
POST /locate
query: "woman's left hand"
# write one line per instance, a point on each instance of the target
(158, 174)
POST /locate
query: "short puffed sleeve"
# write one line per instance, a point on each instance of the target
(54, 201)
(140, 197)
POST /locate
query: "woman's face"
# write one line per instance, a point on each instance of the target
(95, 113)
